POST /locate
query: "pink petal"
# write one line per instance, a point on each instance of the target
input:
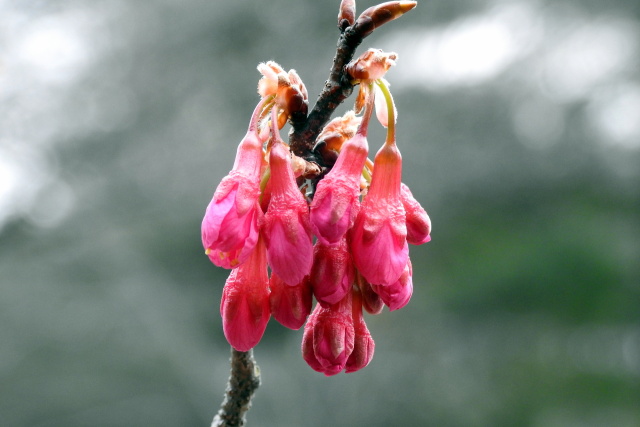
(380, 257)
(289, 247)
(290, 305)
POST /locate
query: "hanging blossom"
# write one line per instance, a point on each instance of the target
(286, 230)
(336, 202)
(233, 217)
(290, 230)
(379, 235)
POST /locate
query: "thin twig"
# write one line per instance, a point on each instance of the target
(243, 382)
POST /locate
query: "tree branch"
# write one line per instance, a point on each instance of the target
(336, 89)
(243, 382)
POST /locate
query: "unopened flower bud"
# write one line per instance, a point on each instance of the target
(363, 344)
(245, 302)
(332, 273)
(347, 14)
(371, 301)
(378, 15)
(290, 305)
(398, 294)
(308, 352)
(418, 221)
(328, 338)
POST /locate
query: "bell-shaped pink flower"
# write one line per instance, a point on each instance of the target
(379, 235)
(363, 345)
(290, 305)
(233, 217)
(335, 203)
(328, 338)
(332, 273)
(398, 294)
(417, 219)
(245, 301)
(287, 231)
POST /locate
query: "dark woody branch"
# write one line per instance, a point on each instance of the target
(338, 86)
(336, 89)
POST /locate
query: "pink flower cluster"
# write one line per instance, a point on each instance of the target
(362, 216)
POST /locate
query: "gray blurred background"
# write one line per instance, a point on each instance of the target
(520, 130)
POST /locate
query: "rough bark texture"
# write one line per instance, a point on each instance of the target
(243, 382)
(336, 89)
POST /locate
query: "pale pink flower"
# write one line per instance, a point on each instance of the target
(418, 221)
(286, 231)
(233, 217)
(290, 305)
(398, 294)
(245, 301)
(332, 273)
(328, 338)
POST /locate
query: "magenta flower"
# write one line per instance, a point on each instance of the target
(233, 217)
(417, 219)
(286, 231)
(290, 305)
(363, 345)
(398, 294)
(245, 301)
(335, 203)
(379, 234)
(332, 273)
(328, 338)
